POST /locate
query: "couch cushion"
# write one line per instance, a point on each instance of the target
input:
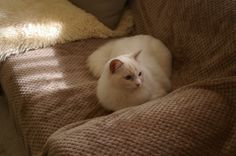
(195, 120)
(50, 88)
(200, 34)
(53, 88)
(107, 11)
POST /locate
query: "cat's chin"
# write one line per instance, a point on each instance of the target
(133, 88)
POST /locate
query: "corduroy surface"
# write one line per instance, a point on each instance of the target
(52, 95)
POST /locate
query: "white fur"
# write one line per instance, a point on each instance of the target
(113, 91)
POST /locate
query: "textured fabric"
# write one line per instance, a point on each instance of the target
(200, 34)
(107, 11)
(50, 88)
(33, 24)
(194, 120)
(52, 97)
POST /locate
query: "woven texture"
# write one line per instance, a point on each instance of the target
(52, 95)
(200, 34)
(50, 88)
(193, 120)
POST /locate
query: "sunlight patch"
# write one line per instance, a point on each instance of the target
(50, 30)
(32, 24)
(35, 31)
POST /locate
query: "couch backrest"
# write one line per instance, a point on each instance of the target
(199, 33)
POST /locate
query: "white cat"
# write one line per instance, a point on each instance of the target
(131, 71)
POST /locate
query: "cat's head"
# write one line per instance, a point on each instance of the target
(126, 72)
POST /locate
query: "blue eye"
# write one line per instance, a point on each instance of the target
(128, 77)
(140, 73)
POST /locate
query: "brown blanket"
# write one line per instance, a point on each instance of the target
(198, 119)
(50, 88)
(52, 97)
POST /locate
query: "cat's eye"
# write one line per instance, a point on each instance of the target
(140, 73)
(128, 77)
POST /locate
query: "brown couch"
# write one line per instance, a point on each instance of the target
(52, 98)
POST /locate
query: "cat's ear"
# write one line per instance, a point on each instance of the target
(114, 65)
(136, 54)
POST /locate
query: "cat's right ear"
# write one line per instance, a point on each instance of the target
(114, 65)
(136, 54)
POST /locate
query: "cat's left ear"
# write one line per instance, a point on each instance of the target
(136, 54)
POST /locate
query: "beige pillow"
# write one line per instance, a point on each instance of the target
(106, 11)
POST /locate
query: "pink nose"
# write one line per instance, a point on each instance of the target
(138, 82)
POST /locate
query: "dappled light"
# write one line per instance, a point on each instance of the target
(40, 73)
(47, 31)
(43, 76)
(50, 30)
(34, 63)
(34, 24)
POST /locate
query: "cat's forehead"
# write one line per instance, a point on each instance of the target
(131, 67)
